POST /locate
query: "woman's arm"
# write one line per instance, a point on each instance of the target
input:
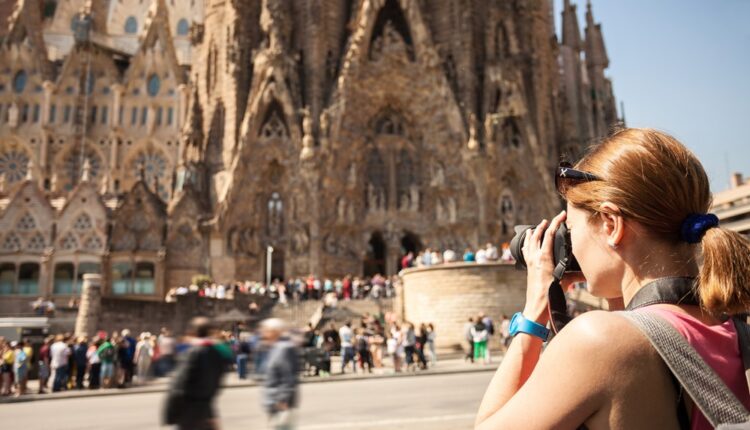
(571, 381)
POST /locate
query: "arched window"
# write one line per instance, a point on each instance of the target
(389, 123)
(154, 83)
(64, 276)
(131, 25)
(183, 27)
(275, 215)
(7, 278)
(11, 243)
(74, 169)
(28, 278)
(19, 81)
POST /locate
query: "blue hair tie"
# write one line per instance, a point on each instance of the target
(695, 226)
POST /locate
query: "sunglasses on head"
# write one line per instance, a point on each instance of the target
(567, 177)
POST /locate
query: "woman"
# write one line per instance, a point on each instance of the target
(144, 352)
(20, 367)
(632, 206)
(95, 364)
(431, 343)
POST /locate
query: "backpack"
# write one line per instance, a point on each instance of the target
(717, 402)
(108, 353)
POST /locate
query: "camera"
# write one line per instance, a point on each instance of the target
(562, 248)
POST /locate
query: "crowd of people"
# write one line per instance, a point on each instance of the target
(65, 362)
(297, 289)
(368, 343)
(432, 257)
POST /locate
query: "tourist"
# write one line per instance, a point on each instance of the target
(490, 325)
(280, 386)
(59, 354)
(449, 256)
(107, 355)
(468, 256)
(144, 353)
(43, 364)
(363, 349)
(80, 360)
(6, 368)
(20, 366)
(637, 208)
(347, 346)
(421, 343)
(407, 260)
(125, 357)
(431, 343)
(480, 256)
(479, 335)
(409, 340)
(243, 354)
(507, 256)
(189, 403)
(491, 252)
(469, 338)
(95, 364)
(427, 257)
(165, 344)
(395, 347)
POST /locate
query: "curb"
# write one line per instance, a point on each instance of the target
(304, 380)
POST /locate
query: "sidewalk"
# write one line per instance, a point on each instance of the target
(450, 365)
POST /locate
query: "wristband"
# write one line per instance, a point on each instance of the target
(519, 324)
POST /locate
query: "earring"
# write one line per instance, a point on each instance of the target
(612, 245)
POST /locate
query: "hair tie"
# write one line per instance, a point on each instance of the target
(695, 226)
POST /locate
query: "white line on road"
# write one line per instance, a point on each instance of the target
(383, 423)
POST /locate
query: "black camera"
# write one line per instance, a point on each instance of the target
(562, 248)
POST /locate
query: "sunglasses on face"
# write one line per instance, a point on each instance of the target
(567, 177)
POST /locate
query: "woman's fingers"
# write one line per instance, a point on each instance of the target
(549, 235)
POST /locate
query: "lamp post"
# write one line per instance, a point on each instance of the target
(269, 256)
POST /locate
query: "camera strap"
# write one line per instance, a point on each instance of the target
(557, 304)
(675, 290)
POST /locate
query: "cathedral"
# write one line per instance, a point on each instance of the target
(152, 140)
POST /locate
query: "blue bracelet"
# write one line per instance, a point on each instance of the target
(519, 324)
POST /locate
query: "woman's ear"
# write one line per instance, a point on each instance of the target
(612, 222)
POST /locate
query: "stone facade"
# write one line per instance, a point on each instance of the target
(448, 295)
(187, 137)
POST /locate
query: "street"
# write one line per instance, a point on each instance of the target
(433, 402)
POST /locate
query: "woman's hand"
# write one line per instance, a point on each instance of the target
(538, 252)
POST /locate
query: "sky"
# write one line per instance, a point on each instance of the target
(682, 66)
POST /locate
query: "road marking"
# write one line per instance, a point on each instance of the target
(384, 423)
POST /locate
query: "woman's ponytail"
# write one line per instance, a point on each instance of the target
(724, 280)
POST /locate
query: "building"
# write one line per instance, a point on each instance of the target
(150, 140)
(732, 206)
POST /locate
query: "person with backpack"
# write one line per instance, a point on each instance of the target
(107, 355)
(637, 216)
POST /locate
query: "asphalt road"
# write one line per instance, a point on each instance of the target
(438, 402)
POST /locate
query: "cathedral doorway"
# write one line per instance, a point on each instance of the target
(375, 258)
(277, 264)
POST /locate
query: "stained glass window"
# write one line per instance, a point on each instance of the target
(14, 164)
(131, 25)
(19, 81)
(183, 27)
(36, 243)
(154, 84)
(11, 242)
(26, 223)
(69, 242)
(83, 222)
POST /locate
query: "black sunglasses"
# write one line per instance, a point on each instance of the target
(567, 177)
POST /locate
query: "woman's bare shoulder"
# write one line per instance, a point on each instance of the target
(609, 334)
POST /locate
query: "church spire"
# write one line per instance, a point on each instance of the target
(596, 52)
(571, 33)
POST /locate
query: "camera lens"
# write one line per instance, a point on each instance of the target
(562, 247)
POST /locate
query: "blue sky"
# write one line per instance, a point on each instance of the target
(682, 66)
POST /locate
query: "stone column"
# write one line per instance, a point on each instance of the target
(90, 308)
